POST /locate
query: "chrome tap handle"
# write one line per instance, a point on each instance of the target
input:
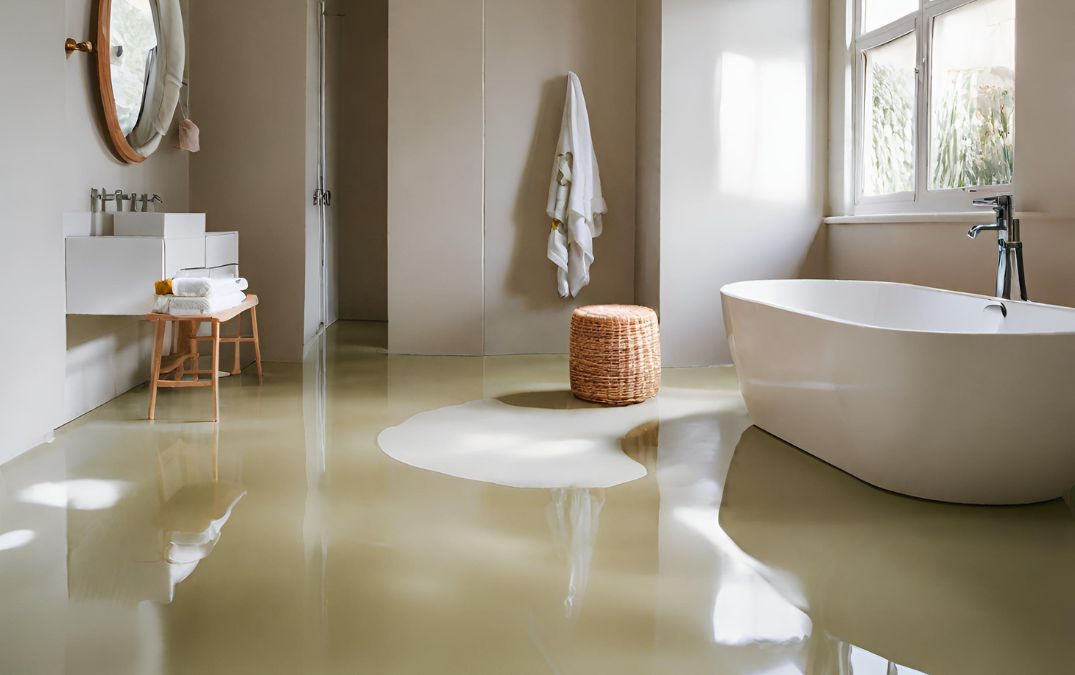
(995, 201)
(1001, 205)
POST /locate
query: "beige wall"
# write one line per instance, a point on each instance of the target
(742, 158)
(468, 168)
(648, 148)
(358, 74)
(530, 47)
(249, 96)
(435, 289)
(940, 254)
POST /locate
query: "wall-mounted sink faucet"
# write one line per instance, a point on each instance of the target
(99, 200)
(1009, 245)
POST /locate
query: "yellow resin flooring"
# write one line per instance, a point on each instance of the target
(284, 540)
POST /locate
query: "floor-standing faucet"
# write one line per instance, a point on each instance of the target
(1010, 247)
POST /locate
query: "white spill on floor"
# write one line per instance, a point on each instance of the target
(540, 439)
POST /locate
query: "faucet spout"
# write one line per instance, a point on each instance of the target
(978, 229)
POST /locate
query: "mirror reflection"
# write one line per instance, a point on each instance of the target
(141, 58)
(132, 53)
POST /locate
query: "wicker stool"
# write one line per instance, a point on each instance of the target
(615, 354)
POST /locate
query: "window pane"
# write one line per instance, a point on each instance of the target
(973, 97)
(889, 112)
(877, 13)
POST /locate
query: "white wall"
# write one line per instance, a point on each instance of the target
(939, 254)
(56, 150)
(106, 356)
(314, 304)
(32, 65)
(435, 287)
(742, 158)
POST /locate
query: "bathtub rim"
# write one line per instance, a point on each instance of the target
(730, 291)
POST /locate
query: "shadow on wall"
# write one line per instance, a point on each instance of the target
(528, 261)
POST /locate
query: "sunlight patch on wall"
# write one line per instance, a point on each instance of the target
(762, 128)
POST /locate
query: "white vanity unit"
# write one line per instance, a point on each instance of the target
(113, 275)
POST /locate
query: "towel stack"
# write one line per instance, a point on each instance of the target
(198, 296)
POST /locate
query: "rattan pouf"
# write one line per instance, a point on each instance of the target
(615, 354)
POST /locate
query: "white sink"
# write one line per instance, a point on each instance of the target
(169, 225)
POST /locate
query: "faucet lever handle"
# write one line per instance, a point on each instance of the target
(1002, 204)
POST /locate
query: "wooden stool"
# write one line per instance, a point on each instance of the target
(615, 354)
(177, 363)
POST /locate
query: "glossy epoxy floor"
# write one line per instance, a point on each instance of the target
(285, 541)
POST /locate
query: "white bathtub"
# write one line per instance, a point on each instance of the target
(929, 393)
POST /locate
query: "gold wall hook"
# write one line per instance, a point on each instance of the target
(71, 45)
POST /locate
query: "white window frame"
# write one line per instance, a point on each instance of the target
(923, 199)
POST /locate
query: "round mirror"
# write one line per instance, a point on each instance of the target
(140, 57)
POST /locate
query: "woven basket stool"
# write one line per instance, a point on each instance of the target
(615, 354)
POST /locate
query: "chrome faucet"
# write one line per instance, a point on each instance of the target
(1009, 245)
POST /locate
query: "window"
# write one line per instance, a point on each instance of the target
(934, 102)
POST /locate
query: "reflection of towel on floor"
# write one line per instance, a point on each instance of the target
(576, 203)
(574, 516)
(176, 306)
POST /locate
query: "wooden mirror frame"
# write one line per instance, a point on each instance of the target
(120, 145)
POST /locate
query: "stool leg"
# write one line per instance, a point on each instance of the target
(235, 368)
(155, 367)
(177, 328)
(257, 341)
(216, 371)
(194, 326)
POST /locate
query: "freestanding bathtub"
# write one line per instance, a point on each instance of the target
(930, 393)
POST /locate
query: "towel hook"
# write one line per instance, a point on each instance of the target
(73, 45)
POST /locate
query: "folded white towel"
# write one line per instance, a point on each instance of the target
(204, 287)
(177, 306)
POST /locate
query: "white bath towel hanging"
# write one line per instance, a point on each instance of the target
(576, 202)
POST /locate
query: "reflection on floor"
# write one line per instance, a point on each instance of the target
(286, 542)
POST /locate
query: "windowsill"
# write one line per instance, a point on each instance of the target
(961, 217)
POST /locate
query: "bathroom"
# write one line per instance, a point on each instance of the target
(413, 487)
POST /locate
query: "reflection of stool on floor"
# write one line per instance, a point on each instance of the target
(615, 354)
(177, 364)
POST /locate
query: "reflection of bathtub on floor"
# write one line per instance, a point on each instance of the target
(930, 393)
(941, 588)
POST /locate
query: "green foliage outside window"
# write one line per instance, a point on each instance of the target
(972, 131)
